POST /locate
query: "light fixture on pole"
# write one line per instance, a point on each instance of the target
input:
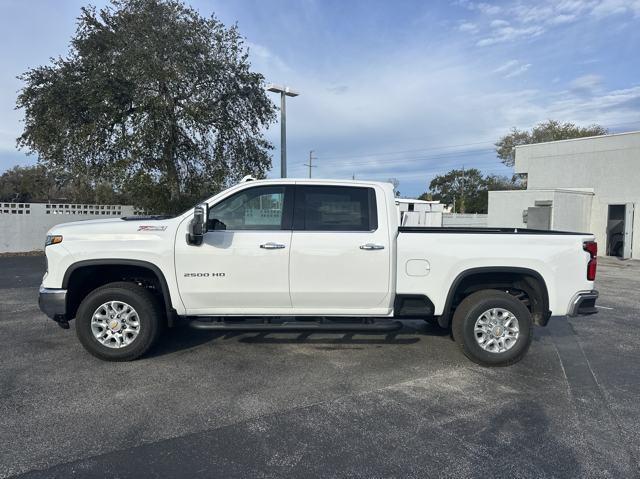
(284, 91)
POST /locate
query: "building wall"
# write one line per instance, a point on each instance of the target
(609, 165)
(24, 226)
(570, 211)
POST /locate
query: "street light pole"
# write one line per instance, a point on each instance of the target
(284, 91)
(283, 135)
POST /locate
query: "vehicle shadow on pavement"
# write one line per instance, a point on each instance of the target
(183, 337)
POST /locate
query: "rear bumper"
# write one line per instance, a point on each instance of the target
(583, 303)
(53, 303)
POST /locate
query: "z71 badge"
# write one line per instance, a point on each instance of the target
(151, 228)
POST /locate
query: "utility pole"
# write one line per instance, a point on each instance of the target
(310, 164)
(462, 191)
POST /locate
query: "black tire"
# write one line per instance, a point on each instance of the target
(471, 308)
(149, 313)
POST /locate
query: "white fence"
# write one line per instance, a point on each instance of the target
(23, 226)
(460, 219)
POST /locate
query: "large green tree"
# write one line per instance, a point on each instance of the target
(155, 99)
(468, 189)
(550, 130)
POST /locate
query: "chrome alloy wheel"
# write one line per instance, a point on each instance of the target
(496, 330)
(115, 324)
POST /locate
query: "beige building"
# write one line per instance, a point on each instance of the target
(587, 185)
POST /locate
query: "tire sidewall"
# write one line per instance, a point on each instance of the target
(512, 305)
(136, 299)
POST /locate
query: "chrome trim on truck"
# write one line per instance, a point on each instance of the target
(53, 303)
(583, 302)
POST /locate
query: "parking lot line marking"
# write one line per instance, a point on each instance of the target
(603, 307)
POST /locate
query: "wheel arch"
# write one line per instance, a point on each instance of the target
(130, 266)
(496, 277)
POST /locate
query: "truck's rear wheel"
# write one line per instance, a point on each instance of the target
(492, 328)
(118, 321)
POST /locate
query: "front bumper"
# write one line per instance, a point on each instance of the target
(53, 303)
(583, 303)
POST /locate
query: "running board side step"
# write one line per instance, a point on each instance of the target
(383, 326)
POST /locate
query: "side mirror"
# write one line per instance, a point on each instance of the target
(198, 225)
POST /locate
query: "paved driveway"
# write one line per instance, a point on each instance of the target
(284, 405)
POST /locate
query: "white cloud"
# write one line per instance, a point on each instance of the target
(562, 18)
(468, 27)
(263, 58)
(586, 84)
(507, 34)
(606, 8)
(482, 7)
(506, 66)
(518, 71)
(487, 8)
(512, 68)
(538, 13)
(533, 19)
(499, 23)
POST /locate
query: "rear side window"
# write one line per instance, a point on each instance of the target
(335, 208)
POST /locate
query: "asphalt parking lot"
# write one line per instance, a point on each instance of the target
(330, 405)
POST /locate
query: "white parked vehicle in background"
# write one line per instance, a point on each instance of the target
(314, 255)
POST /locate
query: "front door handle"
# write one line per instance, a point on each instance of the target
(271, 245)
(371, 246)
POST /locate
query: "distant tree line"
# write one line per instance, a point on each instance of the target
(550, 130)
(468, 190)
(35, 184)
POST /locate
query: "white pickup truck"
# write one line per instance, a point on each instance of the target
(311, 255)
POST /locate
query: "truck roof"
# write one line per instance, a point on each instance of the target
(329, 181)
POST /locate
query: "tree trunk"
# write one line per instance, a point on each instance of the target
(169, 157)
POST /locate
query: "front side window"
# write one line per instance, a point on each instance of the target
(335, 208)
(259, 208)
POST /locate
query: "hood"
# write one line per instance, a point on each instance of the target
(112, 226)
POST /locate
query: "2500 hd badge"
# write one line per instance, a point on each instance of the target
(204, 275)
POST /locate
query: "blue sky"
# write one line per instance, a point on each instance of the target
(404, 89)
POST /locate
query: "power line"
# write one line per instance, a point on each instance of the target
(410, 159)
(443, 147)
(366, 155)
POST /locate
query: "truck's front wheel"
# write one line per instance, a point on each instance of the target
(118, 321)
(493, 328)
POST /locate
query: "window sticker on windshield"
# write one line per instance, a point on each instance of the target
(151, 228)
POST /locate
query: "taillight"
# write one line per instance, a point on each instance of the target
(592, 248)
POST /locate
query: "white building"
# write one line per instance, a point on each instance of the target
(586, 185)
(419, 212)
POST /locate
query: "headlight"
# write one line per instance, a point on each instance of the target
(53, 239)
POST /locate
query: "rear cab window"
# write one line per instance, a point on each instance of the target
(335, 208)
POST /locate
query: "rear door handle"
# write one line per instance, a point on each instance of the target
(271, 245)
(371, 246)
